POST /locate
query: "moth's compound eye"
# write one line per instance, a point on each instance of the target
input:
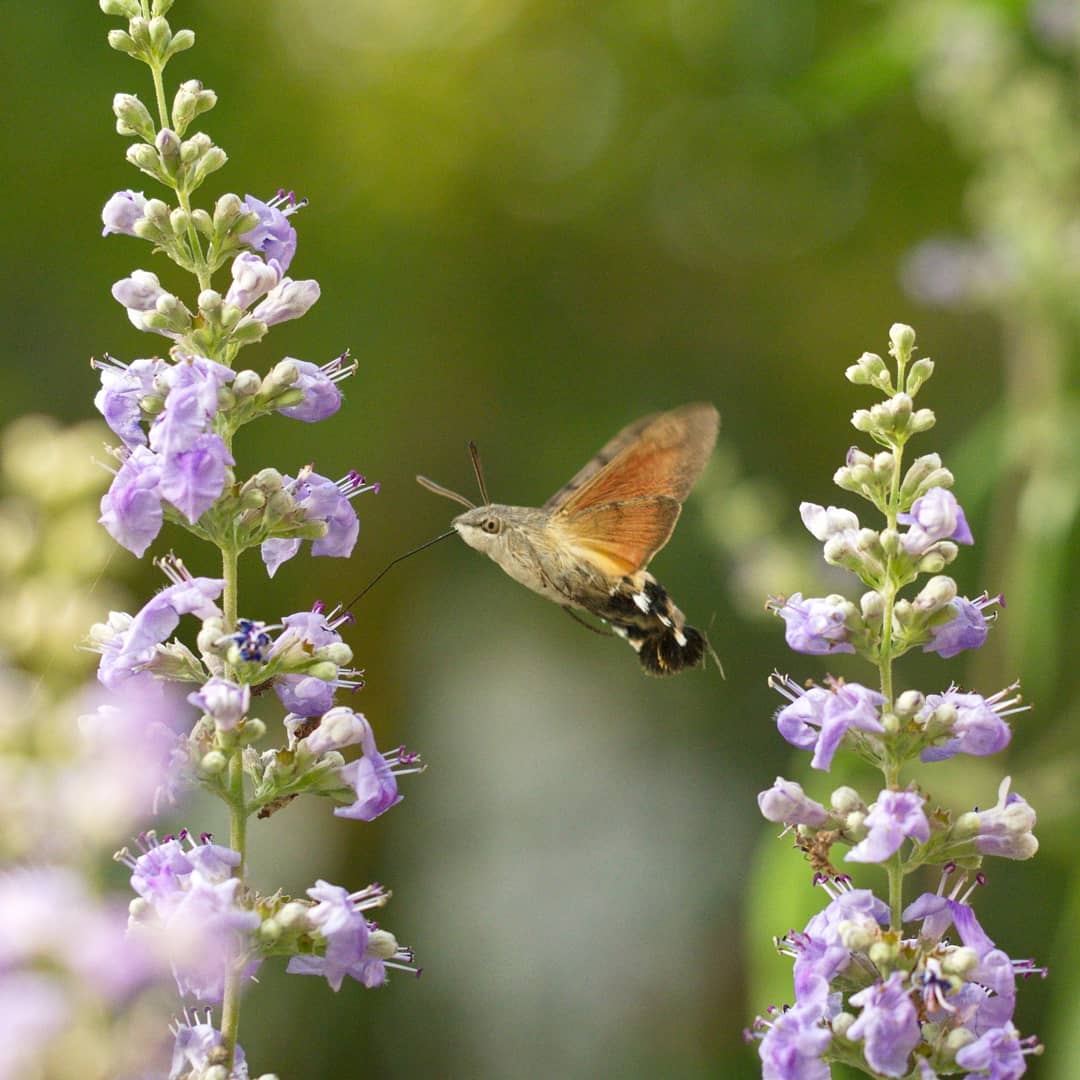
(491, 525)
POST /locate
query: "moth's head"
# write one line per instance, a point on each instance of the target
(482, 528)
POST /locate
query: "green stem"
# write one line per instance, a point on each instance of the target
(896, 891)
(238, 814)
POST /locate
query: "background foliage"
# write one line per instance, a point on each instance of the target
(533, 221)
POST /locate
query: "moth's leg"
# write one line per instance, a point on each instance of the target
(588, 626)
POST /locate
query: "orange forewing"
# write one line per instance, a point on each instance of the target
(619, 538)
(658, 455)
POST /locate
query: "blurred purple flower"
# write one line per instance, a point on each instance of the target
(816, 625)
(131, 509)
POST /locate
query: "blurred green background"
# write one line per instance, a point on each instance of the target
(533, 221)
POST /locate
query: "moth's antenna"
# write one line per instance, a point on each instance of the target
(474, 453)
(423, 481)
(392, 562)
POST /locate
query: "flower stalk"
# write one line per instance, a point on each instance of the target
(912, 986)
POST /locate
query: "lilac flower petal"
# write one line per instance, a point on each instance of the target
(894, 817)
(934, 516)
(276, 551)
(793, 1046)
(968, 629)
(304, 694)
(193, 479)
(888, 1025)
(815, 625)
(372, 780)
(786, 802)
(274, 236)
(122, 211)
(287, 300)
(321, 399)
(252, 279)
(131, 509)
(849, 706)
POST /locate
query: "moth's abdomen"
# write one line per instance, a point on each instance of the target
(642, 612)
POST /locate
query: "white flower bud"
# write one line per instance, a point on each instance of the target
(902, 341)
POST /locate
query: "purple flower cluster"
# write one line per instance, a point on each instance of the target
(894, 999)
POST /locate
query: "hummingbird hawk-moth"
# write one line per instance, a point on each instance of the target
(588, 546)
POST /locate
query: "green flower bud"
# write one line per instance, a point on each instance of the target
(957, 1039)
(139, 29)
(322, 669)
(126, 9)
(133, 117)
(872, 606)
(936, 594)
(281, 376)
(278, 505)
(227, 210)
(122, 42)
(253, 729)
(252, 499)
(337, 652)
(846, 800)
(160, 34)
(934, 561)
(158, 212)
(180, 220)
(145, 158)
(213, 764)
(891, 723)
(890, 541)
(246, 384)
(168, 148)
(181, 41)
(191, 99)
(201, 220)
(191, 150)
(161, 7)
(270, 930)
(268, 480)
(292, 915)
(923, 420)
(881, 954)
(909, 703)
(861, 420)
(858, 935)
(920, 371)
(840, 1024)
(902, 341)
(210, 304)
(211, 161)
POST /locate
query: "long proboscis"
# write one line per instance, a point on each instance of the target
(394, 562)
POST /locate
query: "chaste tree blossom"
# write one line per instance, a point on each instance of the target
(182, 675)
(909, 988)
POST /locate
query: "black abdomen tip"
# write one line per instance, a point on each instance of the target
(661, 653)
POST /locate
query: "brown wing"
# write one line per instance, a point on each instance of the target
(619, 538)
(660, 454)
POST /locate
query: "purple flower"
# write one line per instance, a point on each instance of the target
(122, 211)
(226, 702)
(140, 295)
(818, 718)
(888, 1025)
(187, 888)
(193, 479)
(354, 947)
(338, 727)
(131, 508)
(322, 398)
(786, 802)
(934, 516)
(274, 237)
(304, 633)
(191, 403)
(323, 500)
(820, 950)
(135, 645)
(979, 728)
(998, 1054)
(48, 919)
(373, 779)
(895, 817)
(793, 1046)
(195, 1041)
(826, 523)
(817, 625)
(252, 278)
(1005, 829)
(287, 300)
(35, 1009)
(305, 695)
(122, 388)
(966, 630)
